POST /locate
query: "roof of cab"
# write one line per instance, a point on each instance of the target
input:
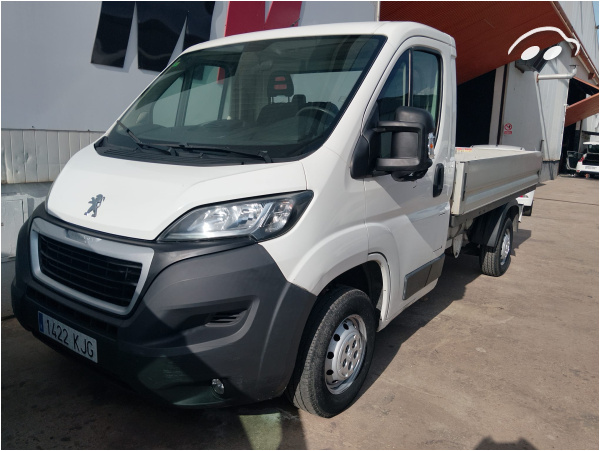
(394, 31)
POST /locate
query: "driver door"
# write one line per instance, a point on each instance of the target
(408, 221)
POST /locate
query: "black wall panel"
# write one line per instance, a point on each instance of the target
(159, 27)
(199, 21)
(112, 35)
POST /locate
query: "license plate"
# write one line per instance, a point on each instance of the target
(69, 337)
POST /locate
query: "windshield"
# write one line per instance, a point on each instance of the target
(273, 99)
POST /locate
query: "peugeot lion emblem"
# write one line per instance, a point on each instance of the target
(95, 204)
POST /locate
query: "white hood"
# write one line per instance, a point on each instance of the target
(141, 199)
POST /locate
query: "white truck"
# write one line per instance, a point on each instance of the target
(265, 206)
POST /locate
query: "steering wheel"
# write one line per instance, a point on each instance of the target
(302, 111)
(321, 120)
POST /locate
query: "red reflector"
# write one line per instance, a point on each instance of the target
(279, 78)
(280, 87)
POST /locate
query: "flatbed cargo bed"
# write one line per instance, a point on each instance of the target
(488, 176)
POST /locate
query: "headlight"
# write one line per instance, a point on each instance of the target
(260, 218)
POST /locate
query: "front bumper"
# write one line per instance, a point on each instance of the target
(228, 313)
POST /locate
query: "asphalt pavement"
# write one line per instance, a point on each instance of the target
(479, 363)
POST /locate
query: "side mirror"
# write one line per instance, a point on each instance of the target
(409, 158)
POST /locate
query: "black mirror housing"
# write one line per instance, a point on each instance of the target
(410, 146)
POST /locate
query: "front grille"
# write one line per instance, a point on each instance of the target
(105, 278)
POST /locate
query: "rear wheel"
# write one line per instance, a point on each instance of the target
(335, 353)
(495, 261)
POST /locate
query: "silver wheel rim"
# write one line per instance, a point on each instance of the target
(505, 250)
(345, 354)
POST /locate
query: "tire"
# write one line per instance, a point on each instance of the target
(527, 210)
(335, 353)
(495, 261)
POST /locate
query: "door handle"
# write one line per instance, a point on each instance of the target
(438, 180)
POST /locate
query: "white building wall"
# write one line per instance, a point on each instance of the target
(591, 124)
(320, 12)
(536, 109)
(54, 100)
(553, 100)
(48, 81)
(581, 16)
(39, 155)
(522, 124)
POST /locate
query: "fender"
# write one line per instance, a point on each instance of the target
(329, 258)
(485, 230)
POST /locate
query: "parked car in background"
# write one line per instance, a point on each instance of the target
(588, 163)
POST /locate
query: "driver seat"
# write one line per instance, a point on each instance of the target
(280, 84)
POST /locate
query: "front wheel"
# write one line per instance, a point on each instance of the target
(495, 261)
(335, 353)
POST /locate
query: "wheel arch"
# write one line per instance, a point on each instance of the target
(371, 277)
(486, 228)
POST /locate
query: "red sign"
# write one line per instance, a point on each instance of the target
(508, 128)
(244, 17)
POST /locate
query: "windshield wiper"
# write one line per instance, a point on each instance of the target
(142, 145)
(263, 155)
(171, 147)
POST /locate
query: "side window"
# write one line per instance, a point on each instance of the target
(426, 88)
(414, 81)
(395, 91)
